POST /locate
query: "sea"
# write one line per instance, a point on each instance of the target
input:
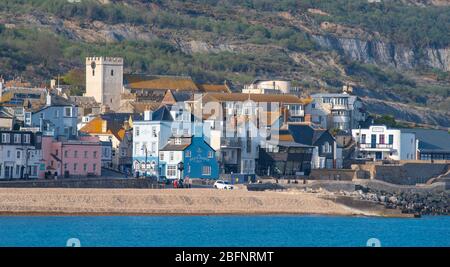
(223, 231)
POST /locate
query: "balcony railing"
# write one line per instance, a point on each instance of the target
(379, 146)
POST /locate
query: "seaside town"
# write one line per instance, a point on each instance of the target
(178, 133)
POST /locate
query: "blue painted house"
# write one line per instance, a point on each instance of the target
(152, 134)
(58, 117)
(197, 156)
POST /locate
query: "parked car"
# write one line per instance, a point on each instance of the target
(220, 184)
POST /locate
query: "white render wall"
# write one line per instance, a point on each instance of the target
(163, 129)
(177, 158)
(404, 144)
(11, 160)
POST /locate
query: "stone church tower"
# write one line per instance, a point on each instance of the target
(104, 80)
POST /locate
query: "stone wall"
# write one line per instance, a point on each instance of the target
(332, 174)
(331, 186)
(82, 183)
(404, 173)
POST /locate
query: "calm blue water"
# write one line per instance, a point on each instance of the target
(223, 231)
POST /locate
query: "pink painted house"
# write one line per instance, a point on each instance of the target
(72, 158)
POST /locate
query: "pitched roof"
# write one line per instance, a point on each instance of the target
(61, 101)
(305, 134)
(162, 114)
(287, 137)
(211, 88)
(159, 82)
(431, 140)
(84, 101)
(172, 147)
(241, 97)
(171, 97)
(121, 117)
(138, 107)
(114, 125)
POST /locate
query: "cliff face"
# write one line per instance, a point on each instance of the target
(386, 53)
(318, 48)
(407, 113)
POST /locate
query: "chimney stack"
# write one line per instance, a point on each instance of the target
(48, 98)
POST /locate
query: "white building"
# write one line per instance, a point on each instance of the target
(153, 133)
(340, 111)
(379, 143)
(104, 80)
(268, 87)
(20, 154)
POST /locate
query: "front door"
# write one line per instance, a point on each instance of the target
(8, 172)
(373, 141)
(378, 155)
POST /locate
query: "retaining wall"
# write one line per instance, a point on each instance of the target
(82, 183)
(404, 173)
(332, 174)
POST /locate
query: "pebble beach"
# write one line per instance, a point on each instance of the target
(60, 201)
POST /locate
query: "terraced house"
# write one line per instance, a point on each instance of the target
(21, 155)
(188, 157)
(115, 128)
(153, 133)
(56, 117)
(79, 157)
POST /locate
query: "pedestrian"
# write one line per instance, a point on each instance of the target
(56, 176)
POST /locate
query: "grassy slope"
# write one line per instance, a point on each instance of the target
(42, 54)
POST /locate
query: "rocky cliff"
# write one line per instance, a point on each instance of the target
(402, 69)
(386, 53)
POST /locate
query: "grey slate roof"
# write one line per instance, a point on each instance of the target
(172, 147)
(305, 134)
(431, 140)
(162, 114)
(84, 101)
(121, 117)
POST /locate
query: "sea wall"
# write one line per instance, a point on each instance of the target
(332, 174)
(81, 183)
(403, 173)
